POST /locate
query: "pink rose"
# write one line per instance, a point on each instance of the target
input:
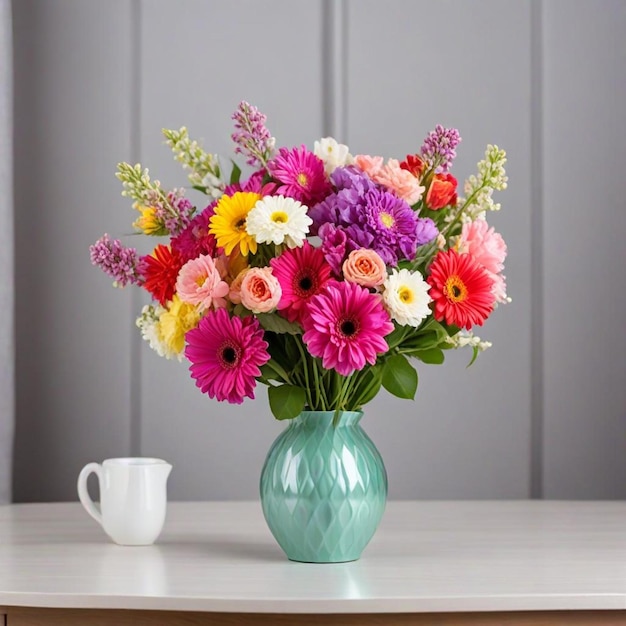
(364, 267)
(235, 287)
(260, 290)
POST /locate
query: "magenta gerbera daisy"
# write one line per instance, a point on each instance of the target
(301, 174)
(302, 273)
(195, 239)
(226, 354)
(346, 326)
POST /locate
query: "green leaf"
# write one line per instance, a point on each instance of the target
(400, 377)
(200, 188)
(286, 401)
(474, 356)
(433, 356)
(235, 175)
(276, 324)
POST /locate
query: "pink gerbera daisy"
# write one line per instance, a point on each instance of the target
(302, 273)
(301, 174)
(226, 354)
(346, 326)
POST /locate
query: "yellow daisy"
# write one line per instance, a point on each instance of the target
(228, 224)
(180, 318)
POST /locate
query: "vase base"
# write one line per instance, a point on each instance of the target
(352, 560)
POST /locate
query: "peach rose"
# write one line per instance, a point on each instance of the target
(365, 268)
(235, 287)
(260, 290)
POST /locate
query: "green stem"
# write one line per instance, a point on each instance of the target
(305, 368)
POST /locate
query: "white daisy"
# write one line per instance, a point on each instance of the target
(276, 219)
(333, 154)
(406, 297)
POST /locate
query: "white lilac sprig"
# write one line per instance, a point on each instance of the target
(251, 136)
(115, 260)
(205, 173)
(479, 189)
(439, 148)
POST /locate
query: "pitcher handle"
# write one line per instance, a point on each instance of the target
(83, 492)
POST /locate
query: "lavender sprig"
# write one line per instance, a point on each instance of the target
(252, 137)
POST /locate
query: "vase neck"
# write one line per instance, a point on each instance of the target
(323, 419)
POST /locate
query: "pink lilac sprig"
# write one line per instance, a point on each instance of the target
(116, 260)
(252, 137)
(439, 147)
(183, 212)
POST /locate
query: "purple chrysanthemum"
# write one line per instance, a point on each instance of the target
(361, 214)
(393, 223)
(116, 260)
(251, 135)
(440, 146)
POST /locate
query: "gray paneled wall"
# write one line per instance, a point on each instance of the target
(95, 83)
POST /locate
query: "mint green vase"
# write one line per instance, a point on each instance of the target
(323, 488)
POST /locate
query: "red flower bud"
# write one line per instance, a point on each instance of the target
(414, 164)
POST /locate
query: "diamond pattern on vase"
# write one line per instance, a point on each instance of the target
(323, 488)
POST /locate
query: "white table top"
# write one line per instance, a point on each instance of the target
(426, 556)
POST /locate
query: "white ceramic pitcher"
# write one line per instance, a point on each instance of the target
(133, 498)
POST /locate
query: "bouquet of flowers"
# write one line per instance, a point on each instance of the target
(320, 274)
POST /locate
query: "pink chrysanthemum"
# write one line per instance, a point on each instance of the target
(301, 174)
(346, 326)
(199, 282)
(226, 354)
(302, 273)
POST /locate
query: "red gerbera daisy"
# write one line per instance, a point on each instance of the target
(159, 271)
(301, 174)
(461, 289)
(302, 273)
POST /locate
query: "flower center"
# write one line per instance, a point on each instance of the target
(201, 280)
(304, 284)
(406, 295)
(455, 289)
(303, 179)
(279, 217)
(229, 355)
(348, 327)
(240, 224)
(387, 219)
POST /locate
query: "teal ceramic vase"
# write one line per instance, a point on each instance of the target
(323, 488)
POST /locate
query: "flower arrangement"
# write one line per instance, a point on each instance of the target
(321, 274)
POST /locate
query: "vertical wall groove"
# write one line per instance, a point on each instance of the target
(334, 50)
(536, 269)
(135, 148)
